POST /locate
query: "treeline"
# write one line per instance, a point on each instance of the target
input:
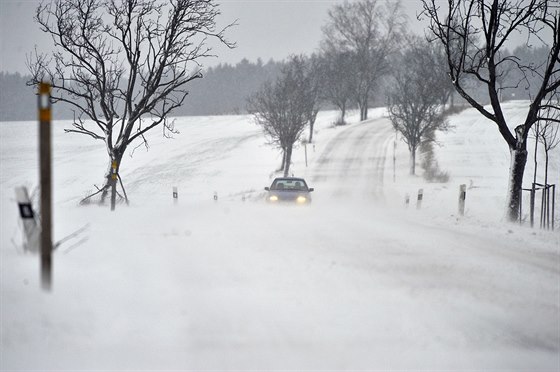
(224, 89)
(17, 100)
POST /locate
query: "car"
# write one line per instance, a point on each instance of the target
(289, 189)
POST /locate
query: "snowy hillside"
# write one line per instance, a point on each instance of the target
(353, 281)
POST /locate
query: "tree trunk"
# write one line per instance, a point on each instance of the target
(288, 161)
(516, 170)
(413, 161)
(342, 114)
(363, 111)
(452, 99)
(311, 125)
(110, 181)
(283, 165)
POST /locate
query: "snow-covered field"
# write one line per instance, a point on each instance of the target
(354, 281)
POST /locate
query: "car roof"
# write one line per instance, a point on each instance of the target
(289, 179)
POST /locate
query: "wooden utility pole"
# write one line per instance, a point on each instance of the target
(46, 184)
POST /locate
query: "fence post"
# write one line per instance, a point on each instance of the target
(44, 104)
(420, 197)
(462, 198)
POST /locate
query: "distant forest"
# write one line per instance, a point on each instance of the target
(223, 90)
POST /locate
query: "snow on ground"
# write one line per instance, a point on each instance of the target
(354, 281)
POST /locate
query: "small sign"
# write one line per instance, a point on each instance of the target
(26, 211)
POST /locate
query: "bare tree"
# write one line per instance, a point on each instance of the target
(339, 80)
(315, 84)
(474, 34)
(415, 98)
(123, 66)
(369, 30)
(281, 109)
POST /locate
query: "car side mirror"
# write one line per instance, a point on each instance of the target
(311, 189)
(267, 188)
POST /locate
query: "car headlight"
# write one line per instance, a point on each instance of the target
(301, 199)
(273, 198)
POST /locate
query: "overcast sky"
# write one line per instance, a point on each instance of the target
(267, 29)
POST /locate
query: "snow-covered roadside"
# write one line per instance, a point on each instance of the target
(343, 284)
(472, 153)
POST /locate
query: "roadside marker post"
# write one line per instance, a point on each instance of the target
(45, 116)
(420, 197)
(175, 195)
(30, 228)
(462, 198)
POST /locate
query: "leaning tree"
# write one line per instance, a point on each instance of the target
(282, 109)
(123, 65)
(475, 34)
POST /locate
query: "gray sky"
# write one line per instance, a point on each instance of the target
(267, 29)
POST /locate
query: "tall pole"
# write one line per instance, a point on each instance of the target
(46, 184)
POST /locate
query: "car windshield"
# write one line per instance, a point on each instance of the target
(289, 184)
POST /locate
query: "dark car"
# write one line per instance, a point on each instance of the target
(289, 189)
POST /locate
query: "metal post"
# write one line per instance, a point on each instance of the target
(46, 183)
(532, 206)
(553, 198)
(305, 147)
(521, 207)
(548, 207)
(543, 207)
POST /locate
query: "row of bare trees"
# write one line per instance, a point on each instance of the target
(360, 38)
(125, 66)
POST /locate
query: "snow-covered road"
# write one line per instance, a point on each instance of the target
(353, 162)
